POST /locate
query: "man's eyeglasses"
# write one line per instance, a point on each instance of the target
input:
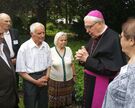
(90, 26)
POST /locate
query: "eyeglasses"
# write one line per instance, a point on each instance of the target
(90, 26)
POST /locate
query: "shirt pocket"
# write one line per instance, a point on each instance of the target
(42, 58)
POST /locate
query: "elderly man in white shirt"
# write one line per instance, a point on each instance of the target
(33, 64)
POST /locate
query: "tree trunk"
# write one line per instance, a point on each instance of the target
(42, 8)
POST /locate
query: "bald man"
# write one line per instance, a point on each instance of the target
(11, 38)
(8, 92)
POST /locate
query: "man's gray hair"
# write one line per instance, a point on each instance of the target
(94, 19)
(34, 26)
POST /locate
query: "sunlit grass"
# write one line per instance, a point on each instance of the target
(21, 105)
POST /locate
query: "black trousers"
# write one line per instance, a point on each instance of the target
(34, 96)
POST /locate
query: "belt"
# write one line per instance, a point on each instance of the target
(39, 72)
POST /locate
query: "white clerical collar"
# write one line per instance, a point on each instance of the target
(104, 29)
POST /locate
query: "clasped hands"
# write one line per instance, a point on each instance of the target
(42, 81)
(82, 54)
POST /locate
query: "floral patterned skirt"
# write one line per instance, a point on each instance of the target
(60, 93)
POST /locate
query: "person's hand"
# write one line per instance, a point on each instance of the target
(13, 61)
(45, 77)
(85, 55)
(79, 54)
(41, 82)
(82, 55)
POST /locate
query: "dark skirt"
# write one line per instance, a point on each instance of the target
(60, 93)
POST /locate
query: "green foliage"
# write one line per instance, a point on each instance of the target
(53, 28)
(79, 83)
(75, 44)
(21, 105)
(50, 26)
(115, 12)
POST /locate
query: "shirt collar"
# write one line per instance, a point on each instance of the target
(1, 48)
(6, 33)
(1, 45)
(104, 29)
(32, 44)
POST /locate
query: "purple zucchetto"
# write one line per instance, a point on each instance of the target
(95, 13)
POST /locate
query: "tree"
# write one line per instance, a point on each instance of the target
(115, 11)
(26, 8)
(41, 10)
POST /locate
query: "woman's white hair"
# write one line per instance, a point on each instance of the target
(58, 35)
(34, 26)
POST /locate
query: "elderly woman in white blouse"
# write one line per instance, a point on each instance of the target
(62, 73)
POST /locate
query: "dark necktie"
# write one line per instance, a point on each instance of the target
(5, 43)
(7, 54)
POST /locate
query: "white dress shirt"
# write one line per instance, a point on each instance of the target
(31, 58)
(8, 40)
